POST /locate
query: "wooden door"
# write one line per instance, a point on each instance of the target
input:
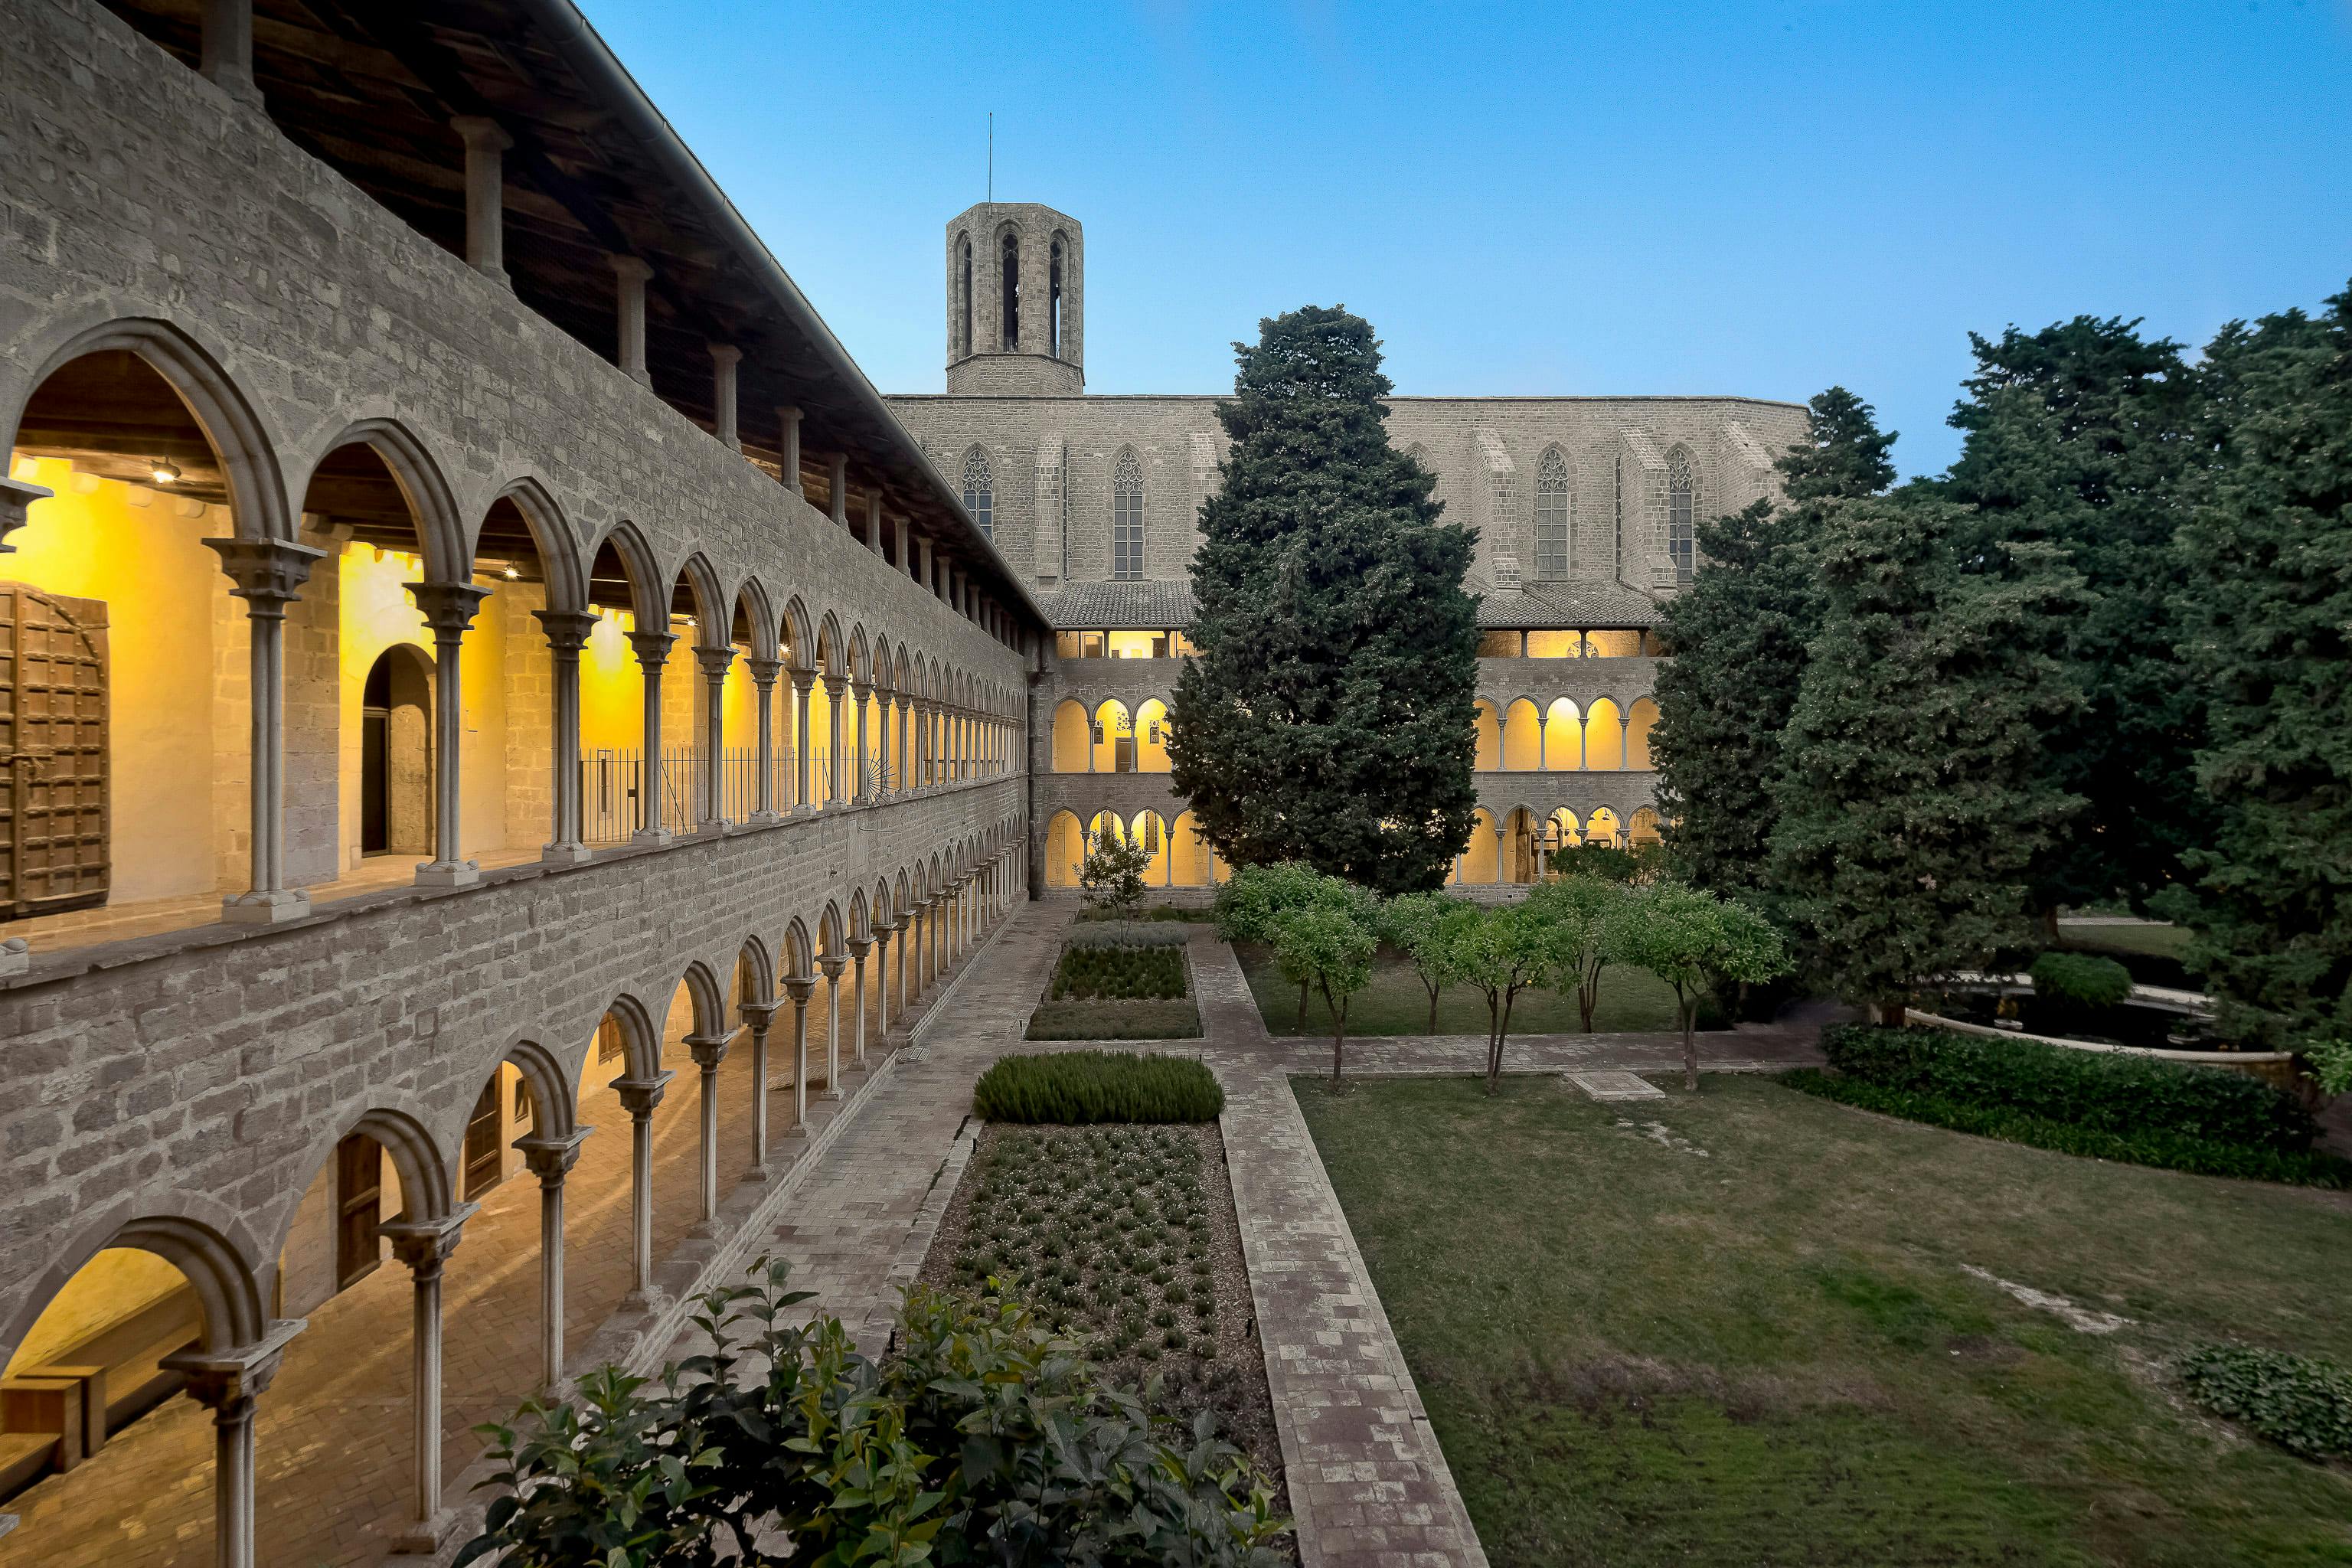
(53, 784)
(359, 1208)
(482, 1141)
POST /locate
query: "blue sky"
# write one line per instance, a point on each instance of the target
(1758, 199)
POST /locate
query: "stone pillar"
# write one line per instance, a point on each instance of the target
(639, 1096)
(550, 1159)
(225, 56)
(874, 523)
(882, 931)
(268, 574)
(653, 653)
(802, 745)
(906, 925)
(448, 609)
(831, 965)
(791, 420)
(763, 677)
(485, 194)
(708, 1051)
(906, 720)
(757, 1018)
(859, 946)
(799, 988)
(425, 1246)
(230, 1384)
(840, 496)
(724, 358)
(864, 779)
(567, 633)
(839, 764)
(630, 308)
(713, 662)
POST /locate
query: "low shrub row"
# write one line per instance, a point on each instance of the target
(2112, 1091)
(1172, 1020)
(2084, 978)
(2303, 1404)
(1078, 1086)
(2153, 1146)
(1121, 970)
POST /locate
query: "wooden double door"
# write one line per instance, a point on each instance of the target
(54, 799)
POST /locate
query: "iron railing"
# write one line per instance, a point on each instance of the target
(610, 780)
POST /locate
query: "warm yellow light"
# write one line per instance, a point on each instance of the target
(512, 575)
(165, 473)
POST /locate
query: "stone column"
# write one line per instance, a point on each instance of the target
(802, 747)
(764, 676)
(882, 932)
(630, 311)
(653, 653)
(724, 358)
(757, 1018)
(268, 574)
(831, 965)
(425, 1246)
(838, 766)
(485, 194)
(790, 418)
(799, 988)
(713, 662)
(225, 56)
(639, 1096)
(906, 924)
(567, 633)
(230, 1384)
(448, 609)
(550, 1159)
(874, 523)
(906, 718)
(864, 780)
(708, 1051)
(839, 499)
(859, 946)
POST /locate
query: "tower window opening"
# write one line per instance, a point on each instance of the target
(1011, 284)
(1551, 515)
(964, 298)
(979, 493)
(1681, 535)
(1053, 299)
(1127, 518)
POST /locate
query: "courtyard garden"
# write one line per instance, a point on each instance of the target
(1119, 979)
(1755, 1326)
(1395, 1002)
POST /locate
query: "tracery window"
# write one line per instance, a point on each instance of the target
(1127, 518)
(1682, 545)
(979, 492)
(1054, 299)
(1009, 275)
(1551, 515)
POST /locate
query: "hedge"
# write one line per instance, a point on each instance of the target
(1118, 970)
(1077, 1086)
(2303, 1404)
(2148, 1146)
(2087, 979)
(1094, 1020)
(2113, 1091)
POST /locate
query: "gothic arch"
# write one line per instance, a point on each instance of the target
(442, 536)
(1127, 514)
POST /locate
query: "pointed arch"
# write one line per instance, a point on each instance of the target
(1563, 737)
(640, 1038)
(1682, 512)
(980, 491)
(549, 1086)
(202, 1240)
(442, 536)
(800, 951)
(1127, 516)
(560, 561)
(798, 633)
(1522, 737)
(1552, 513)
(648, 602)
(1640, 719)
(1488, 726)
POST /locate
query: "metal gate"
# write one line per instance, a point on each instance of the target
(53, 783)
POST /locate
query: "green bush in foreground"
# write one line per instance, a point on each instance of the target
(1135, 1020)
(2303, 1404)
(2153, 1146)
(2114, 1092)
(2080, 977)
(1077, 1086)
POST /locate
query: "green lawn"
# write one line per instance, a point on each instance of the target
(1395, 1003)
(2169, 940)
(1774, 1353)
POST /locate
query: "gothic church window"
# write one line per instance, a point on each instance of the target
(1127, 518)
(1551, 515)
(1054, 300)
(1010, 275)
(979, 493)
(963, 296)
(1682, 541)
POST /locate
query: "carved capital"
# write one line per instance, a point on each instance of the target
(802, 679)
(835, 685)
(764, 670)
(567, 630)
(14, 497)
(425, 1245)
(859, 946)
(799, 988)
(832, 964)
(267, 574)
(652, 649)
(640, 1096)
(726, 356)
(759, 1014)
(713, 662)
(707, 1050)
(449, 607)
(228, 1381)
(551, 1158)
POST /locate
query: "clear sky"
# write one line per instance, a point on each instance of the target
(1757, 199)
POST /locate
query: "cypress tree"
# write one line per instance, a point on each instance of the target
(1328, 715)
(1911, 806)
(2267, 614)
(1737, 637)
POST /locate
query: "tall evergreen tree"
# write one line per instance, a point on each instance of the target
(1739, 637)
(2080, 435)
(2267, 613)
(1911, 807)
(1329, 715)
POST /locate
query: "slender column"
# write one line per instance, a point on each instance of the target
(567, 633)
(840, 498)
(639, 1096)
(708, 1051)
(485, 194)
(757, 1018)
(874, 523)
(230, 1384)
(653, 653)
(630, 314)
(859, 946)
(763, 677)
(724, 358)
(226, 57)
(882, 931)
(425, 1246)
(831, 966)
(801, 680)
(713, 662)
(932, 909)
(550, 1159)
(838, 767)
(906, 779)
(907, 924)
(864, 789)
(790, 418)
(448, 609)
(268, 574)
(799, 988)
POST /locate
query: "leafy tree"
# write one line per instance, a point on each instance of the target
(1911, 805)
(1640, 863)
(1111, 876)
(1421, 926)
(1740, 635)
(2267, 553)
(2079, 436)
(1327, 717)
(1502, 952)
(1330, 947)
(1692, 939)
(1576, 913)
(1247, 906)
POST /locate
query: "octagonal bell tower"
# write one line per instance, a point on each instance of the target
(1016, 301)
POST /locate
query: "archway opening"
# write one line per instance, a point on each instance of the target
(396, 761)
(612, 704)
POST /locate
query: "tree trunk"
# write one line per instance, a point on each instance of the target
(1300, 1027)
(1690, 1045)
(2050, 926)
(1495, 1047)
(1433, 1009)
(1588, 997)
(1338, 1035)
(1890, 1014)
(1494, 1026)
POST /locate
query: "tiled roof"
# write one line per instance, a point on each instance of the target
(1568, 603)
(1143, 607)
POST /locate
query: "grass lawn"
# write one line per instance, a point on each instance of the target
(1775, 1354)
(2169, 942)
(1395, 1003)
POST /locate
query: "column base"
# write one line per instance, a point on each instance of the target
(757, 1174)
(425, 1538)
(265, 908)
(15, 958)
(652, 836)
(764, 818)
(449, 874)
(565, 855)
(713, 827)
(806, 808)
(826, 1094)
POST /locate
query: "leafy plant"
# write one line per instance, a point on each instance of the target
(2303, 1404)
(1111, 876)
(1692, 939)
(2082, 978)
(1085, 1087)
(1119, 970)
(1330, 947)
(1500, 952)
(1421, 926)
(1576, 912)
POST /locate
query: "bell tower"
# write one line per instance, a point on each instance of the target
(1016, 301)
